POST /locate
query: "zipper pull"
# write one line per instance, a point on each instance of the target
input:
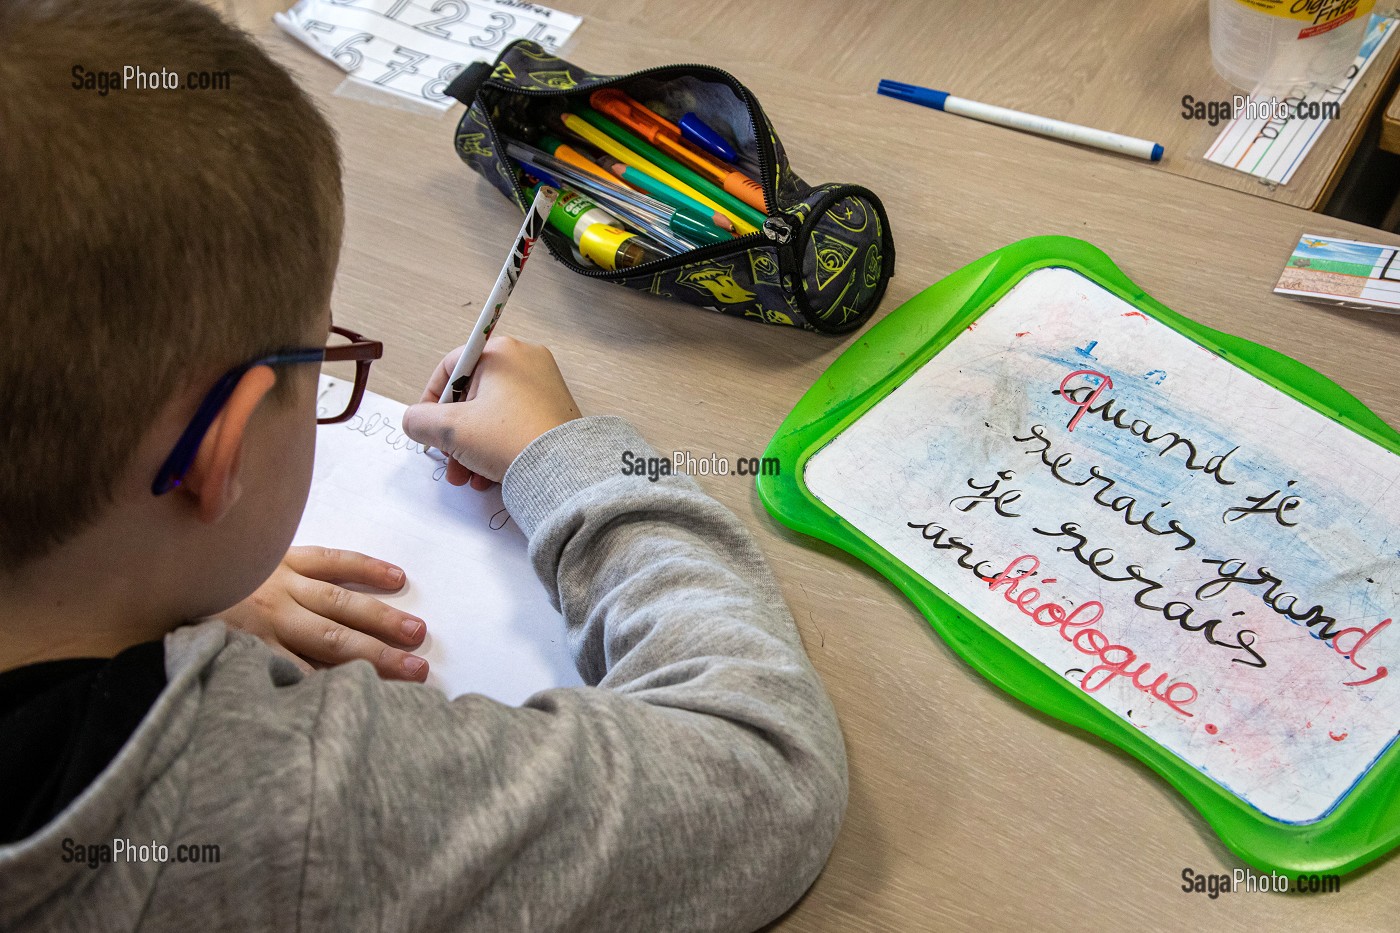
(777, 229)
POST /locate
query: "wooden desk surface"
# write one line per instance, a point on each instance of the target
(968, 810)
(1111, 64)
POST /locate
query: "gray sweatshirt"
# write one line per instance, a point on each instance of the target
(698, 786)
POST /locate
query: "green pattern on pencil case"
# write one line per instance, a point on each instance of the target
(827, 275)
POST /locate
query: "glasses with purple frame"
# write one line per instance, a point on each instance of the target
(359, 350)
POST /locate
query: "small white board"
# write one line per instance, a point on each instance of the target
(1204, 555)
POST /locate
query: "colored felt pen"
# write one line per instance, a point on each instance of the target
(666, 227)
(654, 227)
(659, 165)
(682, 231)
(568, 154)
(590, 133)
(456, 388)
(728, 203)
(544, 178)
(644, 182)
(699, 132)
(667, 137)
(694, 229)
(531, 158)
(1017, 120)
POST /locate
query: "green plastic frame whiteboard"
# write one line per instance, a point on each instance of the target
(1362, 827)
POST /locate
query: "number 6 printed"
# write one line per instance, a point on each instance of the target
(349, 57)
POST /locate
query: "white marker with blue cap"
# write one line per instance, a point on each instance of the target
(1017, 120)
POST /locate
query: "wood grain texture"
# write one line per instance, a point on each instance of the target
(968, 810)
(1111, 64)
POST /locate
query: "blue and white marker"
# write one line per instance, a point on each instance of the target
(1017, 120)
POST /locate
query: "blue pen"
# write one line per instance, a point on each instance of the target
(542, 176)
(695, 130)
(1017, 120)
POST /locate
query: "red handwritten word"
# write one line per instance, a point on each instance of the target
(1114, 661)
(1104, 383)
(1363, 636)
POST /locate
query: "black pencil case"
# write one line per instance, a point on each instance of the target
(821, 259)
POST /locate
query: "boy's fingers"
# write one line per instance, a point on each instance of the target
(361, 612)
(457, 474)
(480, 483)
(438, 380)
(475, 384)
(321, 640)
(433, 425)
(335, 565)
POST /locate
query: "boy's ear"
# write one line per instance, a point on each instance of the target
(213, 477)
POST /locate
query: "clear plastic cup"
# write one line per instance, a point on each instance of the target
(1280, 43)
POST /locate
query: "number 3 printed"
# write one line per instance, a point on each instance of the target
(501, 24)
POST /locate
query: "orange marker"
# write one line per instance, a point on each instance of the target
(571, 156)
(666, 136)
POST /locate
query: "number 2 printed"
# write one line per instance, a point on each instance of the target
(433, 27)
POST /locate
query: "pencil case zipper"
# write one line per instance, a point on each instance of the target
(777, 228)
(821, 256)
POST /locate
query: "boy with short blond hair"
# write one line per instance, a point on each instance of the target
(166, 262)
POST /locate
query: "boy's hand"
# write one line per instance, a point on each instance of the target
(301, 611)
(516, 394)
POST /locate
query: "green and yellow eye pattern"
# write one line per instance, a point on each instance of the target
(827, 272)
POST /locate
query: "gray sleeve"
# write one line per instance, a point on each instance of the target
(698, 786)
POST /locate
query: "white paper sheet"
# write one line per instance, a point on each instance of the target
(972, 463)
(1272, 149)
(414, 48)
(491, 628)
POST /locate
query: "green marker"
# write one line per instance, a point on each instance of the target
(667, 164)
(691, 218)
(694, 228)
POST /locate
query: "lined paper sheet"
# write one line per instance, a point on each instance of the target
(1273, 149)
(414, 48)
(491, 628)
